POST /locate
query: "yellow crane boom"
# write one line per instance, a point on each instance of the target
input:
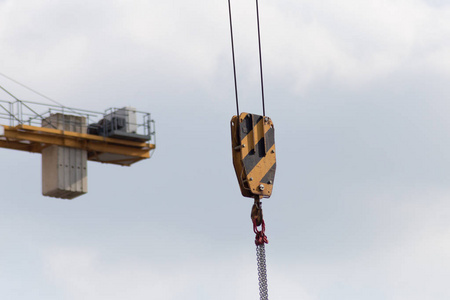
(99, 148)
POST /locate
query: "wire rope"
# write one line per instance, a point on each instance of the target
(234, 59)
(260, 58)
(22, 103)
(15, 98)
(36, 92)
(30, 89)
(260, 239)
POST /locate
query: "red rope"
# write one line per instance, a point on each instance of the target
(261, 237)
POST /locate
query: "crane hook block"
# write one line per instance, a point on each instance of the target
(253, 146)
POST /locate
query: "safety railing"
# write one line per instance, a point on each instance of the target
(124, 122)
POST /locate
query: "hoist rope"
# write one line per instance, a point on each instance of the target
(260, 239)
(234, 60)
(260, 58)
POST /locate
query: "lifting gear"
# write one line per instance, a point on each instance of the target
(253, 147)
(260, 240)
(253, 143)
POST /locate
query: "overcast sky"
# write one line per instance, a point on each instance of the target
(359, 95)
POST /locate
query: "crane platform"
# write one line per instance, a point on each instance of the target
(99, 148)
(123, 144)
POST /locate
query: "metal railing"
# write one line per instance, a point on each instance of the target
(21, 112)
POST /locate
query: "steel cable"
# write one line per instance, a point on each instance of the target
(261, 238)
(260, 58)
(234, 59)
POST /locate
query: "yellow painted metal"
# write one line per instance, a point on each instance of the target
(252, 169)
(237, 158)
(34, 139)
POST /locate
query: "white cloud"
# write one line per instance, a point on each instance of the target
(348, 43)
(333, 153)
(82, 274)
(353, 43)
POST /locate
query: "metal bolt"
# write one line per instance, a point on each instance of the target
(273, 151)
(251, 179)
(261, 187)
(270, 182)
(243, 145)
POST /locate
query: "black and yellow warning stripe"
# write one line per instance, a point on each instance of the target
(256, 161)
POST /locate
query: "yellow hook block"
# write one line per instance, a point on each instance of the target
(254, 160)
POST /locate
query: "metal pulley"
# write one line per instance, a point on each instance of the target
(253, 143)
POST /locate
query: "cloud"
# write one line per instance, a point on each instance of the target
(359, 207)
(82, 274)
(304, 43)
(397, 249)
(352, 43)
